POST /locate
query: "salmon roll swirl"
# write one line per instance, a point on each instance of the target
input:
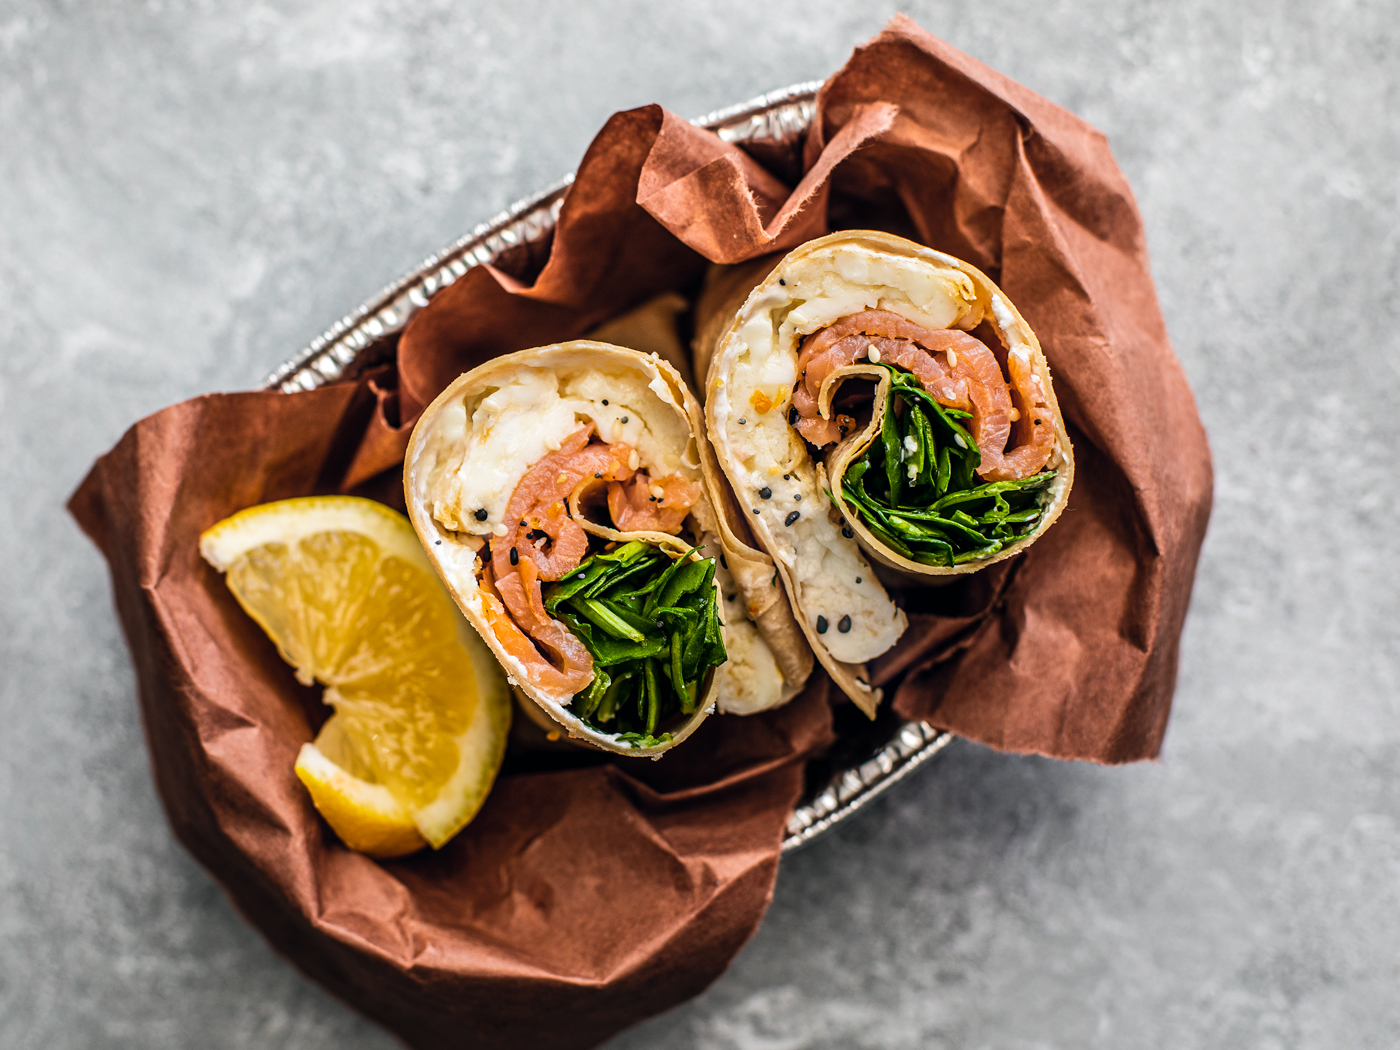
(873, 400)
(566, 498)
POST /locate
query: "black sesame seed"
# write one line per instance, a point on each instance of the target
(857, 579)
(787, 477)
(597, 475)
(605, 401)
(742, 421)
(755, 510)
(765, 492)
(626, 418)
(782, 281)
(798, 497)
(792, 416)
(846, 531)
(437, 543)
(481, 514)
(1037, 422)
(821, 625)
(514, 556)
(844, 625)
(652, 499)
(790, 518)
(729, 597)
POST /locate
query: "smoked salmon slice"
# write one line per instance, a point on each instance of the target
(512, 605)
(960, 372)
(538, 505)
(651, 506)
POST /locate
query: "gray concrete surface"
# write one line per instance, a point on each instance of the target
(189, 191)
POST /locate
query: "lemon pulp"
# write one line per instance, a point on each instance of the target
(342, 587)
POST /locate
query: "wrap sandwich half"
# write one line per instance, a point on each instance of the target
(563, 496)
(868, 395)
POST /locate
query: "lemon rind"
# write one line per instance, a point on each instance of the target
(365, 816)
(368, 813)
(481, 748)
(289, 521)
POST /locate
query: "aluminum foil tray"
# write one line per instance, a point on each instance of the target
(875, 756)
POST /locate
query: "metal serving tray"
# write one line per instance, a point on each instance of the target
(875, 757)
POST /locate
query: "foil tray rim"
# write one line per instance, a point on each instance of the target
(781, 115)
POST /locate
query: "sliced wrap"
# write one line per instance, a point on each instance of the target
(756, 596)
(948, 453)
(541, 473)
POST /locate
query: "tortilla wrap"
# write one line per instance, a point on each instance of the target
(760, 325)
(479, 441)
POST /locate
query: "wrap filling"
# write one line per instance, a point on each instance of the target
(956, 468)
(578, 581)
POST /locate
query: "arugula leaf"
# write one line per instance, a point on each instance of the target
(608, 620)
(916, 487)
(890, 441)
(650, 620)
(591, 699)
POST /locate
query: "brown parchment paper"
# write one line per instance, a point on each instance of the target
(584, 896)
(590, 892)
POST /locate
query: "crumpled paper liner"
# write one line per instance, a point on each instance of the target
(591, 893)
(584, 896)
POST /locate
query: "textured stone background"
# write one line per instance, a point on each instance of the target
(189, 191)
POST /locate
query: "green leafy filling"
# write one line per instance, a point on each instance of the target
(916, 487)
(651, 623)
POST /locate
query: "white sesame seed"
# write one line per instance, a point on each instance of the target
(961, 443)
(874, 354)
(910, 443)
(499, 529)
(952, 359)
(1015, 414)
(658, 491)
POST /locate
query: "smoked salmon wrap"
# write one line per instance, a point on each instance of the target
(868, 396)
(567, 498)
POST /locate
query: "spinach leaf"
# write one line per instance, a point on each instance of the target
(650, 620)
(916, 487)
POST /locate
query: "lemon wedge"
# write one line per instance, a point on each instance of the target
(344, 590)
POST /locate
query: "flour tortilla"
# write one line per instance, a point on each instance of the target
(656, 395)
(750, 320)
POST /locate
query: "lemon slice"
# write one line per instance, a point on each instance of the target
(343, 588)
